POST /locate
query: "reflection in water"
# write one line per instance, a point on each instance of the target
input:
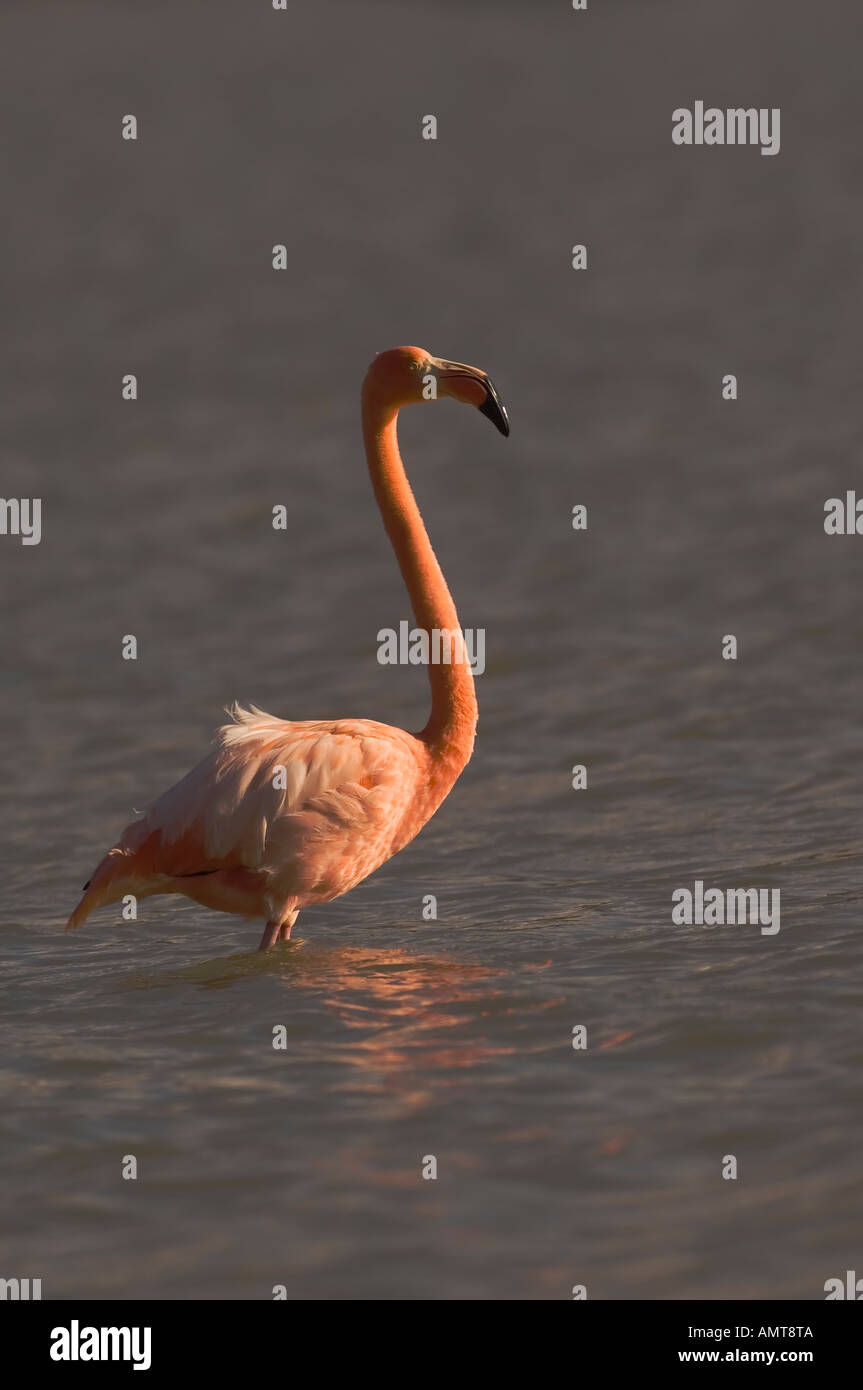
(400, 1014)
(397, 1005)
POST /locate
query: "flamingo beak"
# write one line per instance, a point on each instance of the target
(492, 407)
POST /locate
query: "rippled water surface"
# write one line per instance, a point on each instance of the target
(407, 1038)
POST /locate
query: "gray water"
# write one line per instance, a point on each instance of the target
(450, 1038)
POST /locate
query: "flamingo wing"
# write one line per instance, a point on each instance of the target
(309, 807)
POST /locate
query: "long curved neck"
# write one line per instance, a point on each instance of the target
(452, 724)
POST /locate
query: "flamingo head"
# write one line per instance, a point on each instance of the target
(405, 375)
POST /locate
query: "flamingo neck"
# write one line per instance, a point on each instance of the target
(452, 725)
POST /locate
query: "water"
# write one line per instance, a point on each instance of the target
(451, 1038)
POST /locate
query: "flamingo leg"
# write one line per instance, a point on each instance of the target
(278, 931)
(285, 928)
(271, 932)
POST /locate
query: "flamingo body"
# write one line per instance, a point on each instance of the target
(230, 835)
(280, 816)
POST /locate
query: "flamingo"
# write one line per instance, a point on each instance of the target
(280, 816)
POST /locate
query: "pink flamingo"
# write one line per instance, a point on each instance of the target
(283, 815)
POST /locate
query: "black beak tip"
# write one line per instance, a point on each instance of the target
(494, 409)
